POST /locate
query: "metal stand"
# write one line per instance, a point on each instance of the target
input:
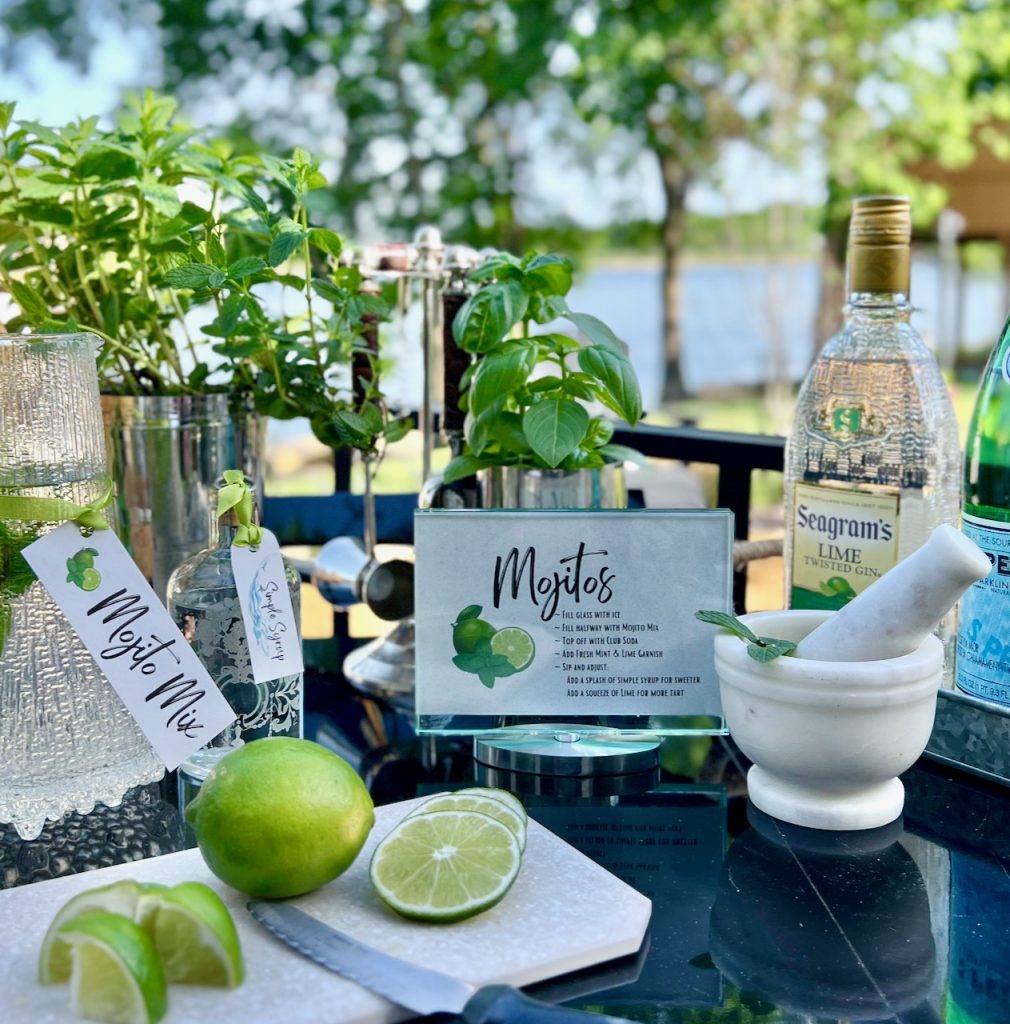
(568, 751)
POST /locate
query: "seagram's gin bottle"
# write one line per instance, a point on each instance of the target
(872, 461)
(203, 602)
(983, 643)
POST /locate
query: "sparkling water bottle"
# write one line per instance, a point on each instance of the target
(983, 635)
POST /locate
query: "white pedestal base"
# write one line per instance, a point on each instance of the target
(870, 807)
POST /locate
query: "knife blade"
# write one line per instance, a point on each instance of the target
(415, 988)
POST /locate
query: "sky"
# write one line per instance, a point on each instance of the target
(743, 180)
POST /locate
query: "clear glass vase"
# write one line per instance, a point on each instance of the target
(67, 741)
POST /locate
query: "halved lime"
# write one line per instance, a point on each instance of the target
(116, 975)
(475, 802)
(117, 898)
(194, 934)
(516, 644)
(445, 865)
(503, 796)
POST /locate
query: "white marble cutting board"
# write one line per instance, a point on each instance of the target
(563, 913)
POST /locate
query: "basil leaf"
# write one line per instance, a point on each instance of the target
(554, 428)
(598, 332)
(620, 385)
(550, 274)
(485, 318)
(768, 648)
(461, 467)
(501, 370)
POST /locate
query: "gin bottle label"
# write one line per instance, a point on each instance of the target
(842, 541)
(983, 635)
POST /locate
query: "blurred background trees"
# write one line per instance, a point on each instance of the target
(530, 122)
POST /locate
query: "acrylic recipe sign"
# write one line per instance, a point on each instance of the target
(584, 616)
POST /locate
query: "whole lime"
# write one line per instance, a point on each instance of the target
(467, 632)
(279, 817)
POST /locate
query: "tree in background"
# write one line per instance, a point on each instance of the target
(424, 107)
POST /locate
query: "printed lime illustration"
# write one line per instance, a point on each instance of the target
(81, 569)
(487, 652)
(516, 644)
(839, 588)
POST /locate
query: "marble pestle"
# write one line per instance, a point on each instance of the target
(893, 615)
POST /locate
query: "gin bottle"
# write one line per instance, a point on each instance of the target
(983, 643)
(872, 461)
(203, 602)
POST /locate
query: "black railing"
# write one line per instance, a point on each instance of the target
(313, 520)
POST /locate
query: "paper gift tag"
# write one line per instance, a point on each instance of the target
(275, 647)
(128, 632)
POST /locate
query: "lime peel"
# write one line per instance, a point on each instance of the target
(477, 801)
(116, 975)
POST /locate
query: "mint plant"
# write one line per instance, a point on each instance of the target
(526, 394)
(198, 267)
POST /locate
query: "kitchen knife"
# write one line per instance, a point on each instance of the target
(415, 988)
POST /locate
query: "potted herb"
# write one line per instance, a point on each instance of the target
(211, 289)
(536, 429)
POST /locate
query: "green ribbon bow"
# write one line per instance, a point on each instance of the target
(52, 510)
(237, 495)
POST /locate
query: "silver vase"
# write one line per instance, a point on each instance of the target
(523, 487)
(165, 454)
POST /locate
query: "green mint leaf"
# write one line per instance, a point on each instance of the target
(727, 621)
(487, 677)
(246, 267)
(483, 648)
(468, 662)
(283, 246)
(767, 648)
(471, 611)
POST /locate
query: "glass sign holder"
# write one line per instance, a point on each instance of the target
(565, 642)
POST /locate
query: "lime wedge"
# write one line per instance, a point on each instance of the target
(445, 865)
(117, 898)
(476, 802)
(516, 644)
(194, 934)
(503, 796)
(116, 975)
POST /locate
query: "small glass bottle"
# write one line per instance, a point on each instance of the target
(983, 647)
(872, 461)
(203, 602)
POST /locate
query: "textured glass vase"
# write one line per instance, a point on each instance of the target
(67, 741)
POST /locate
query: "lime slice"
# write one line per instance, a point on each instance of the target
(445, 865)
(503, 796)
(116, 975)
(118, 898)
(516, 644)
(194, 934)
(475, 802)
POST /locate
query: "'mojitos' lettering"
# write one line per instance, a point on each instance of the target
(834, 527)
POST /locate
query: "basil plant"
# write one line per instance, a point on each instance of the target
(532, 399)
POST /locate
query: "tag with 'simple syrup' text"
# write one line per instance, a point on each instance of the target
(275, 647)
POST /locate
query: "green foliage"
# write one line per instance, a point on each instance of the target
(760, 648)
(525, 395)
(184, 258)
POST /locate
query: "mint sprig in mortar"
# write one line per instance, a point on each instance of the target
(526, 395)
(760, 648)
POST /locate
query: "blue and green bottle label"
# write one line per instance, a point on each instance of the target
(983, 633)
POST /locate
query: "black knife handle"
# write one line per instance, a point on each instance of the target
(502, 1004)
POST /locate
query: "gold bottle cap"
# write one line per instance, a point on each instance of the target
(880, 235)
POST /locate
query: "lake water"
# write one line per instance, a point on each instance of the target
(730, 314)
